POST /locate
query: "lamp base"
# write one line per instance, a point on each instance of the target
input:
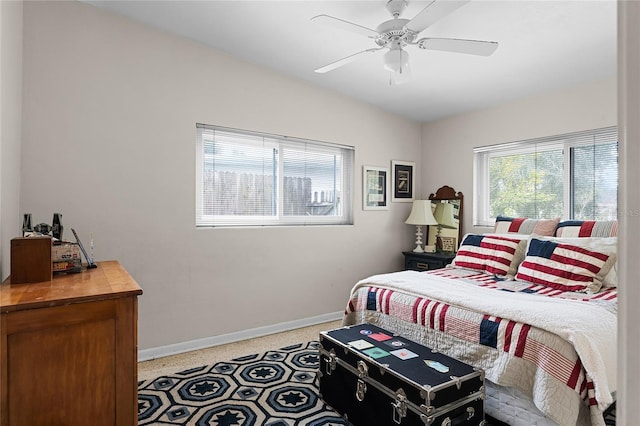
(418, 248)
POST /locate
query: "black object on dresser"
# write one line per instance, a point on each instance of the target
(426, 261)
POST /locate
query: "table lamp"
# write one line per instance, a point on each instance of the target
(444, 216)
(421, 214)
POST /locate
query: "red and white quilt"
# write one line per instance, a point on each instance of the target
(559, 348)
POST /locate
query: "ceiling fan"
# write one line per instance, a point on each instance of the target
(398, 33)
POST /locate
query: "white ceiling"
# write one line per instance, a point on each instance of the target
(544, 45)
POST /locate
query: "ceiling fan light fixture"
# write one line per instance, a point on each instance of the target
(404, 76)
(396, 61)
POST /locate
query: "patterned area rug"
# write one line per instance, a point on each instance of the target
(275, 388)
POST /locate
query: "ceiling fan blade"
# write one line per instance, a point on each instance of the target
(471, 47)
(435, 11)
(345, 60)
(344, 25)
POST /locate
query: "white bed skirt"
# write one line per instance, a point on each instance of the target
(511, 406)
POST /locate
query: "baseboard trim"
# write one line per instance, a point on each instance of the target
(207, 342)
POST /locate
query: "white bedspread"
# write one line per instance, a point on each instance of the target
(590, 328)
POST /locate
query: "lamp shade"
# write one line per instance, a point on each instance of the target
(421, 214)
(444, 215)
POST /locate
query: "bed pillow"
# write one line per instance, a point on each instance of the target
(564, 267)
(523, 225)
(587, 228)
(494, 254)
(605, 245)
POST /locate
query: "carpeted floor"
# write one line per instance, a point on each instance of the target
(148, 369)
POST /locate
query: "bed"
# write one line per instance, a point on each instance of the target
(537, 312)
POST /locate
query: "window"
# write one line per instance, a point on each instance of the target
(256, 179)
(573, 176)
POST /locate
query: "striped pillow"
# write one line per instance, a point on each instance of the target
(564, 267)
(587, 228)
(493, 254)
(523, 225)
(607, 245)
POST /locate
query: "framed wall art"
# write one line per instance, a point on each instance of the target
(375, 188)
(404, 180)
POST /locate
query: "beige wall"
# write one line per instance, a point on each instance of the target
(10, 126)
(110, 109)
(447, 153)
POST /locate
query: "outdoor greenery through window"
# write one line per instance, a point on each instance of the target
(572, 176)
(255, 179)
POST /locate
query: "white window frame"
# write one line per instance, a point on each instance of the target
(278, 141)
(565, 142)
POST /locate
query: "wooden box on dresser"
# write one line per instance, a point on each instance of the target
(68, 349)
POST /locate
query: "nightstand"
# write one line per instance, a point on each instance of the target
(426, 261)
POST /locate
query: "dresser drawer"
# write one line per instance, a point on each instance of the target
(426, 261)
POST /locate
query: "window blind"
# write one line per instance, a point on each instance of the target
(573, 176)
(256, 179)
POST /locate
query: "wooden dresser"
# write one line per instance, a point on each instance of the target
(68, 349)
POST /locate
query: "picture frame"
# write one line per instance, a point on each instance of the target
(446, 244)
(404, 181)
(375, 188)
